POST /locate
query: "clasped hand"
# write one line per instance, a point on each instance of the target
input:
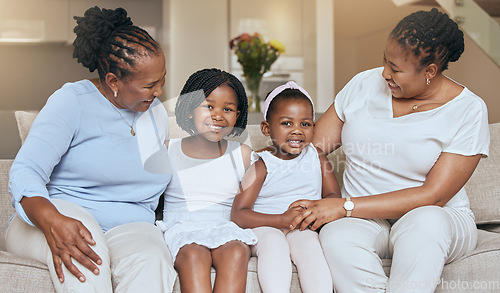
(316, 213)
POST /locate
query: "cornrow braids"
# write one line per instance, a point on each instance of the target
(108, 41)
(432, 36)
(198, 87)
(287, 94)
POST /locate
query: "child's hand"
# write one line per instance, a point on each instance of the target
(317, 212)
(290, 214)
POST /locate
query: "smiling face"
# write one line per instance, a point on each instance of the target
(216, 116)
(405, 76)
(290, 126)
(138, 91)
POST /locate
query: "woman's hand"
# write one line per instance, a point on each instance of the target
(316, 213)
(67, 238)
(448, 175)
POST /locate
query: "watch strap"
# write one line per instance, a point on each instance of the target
(348, 206)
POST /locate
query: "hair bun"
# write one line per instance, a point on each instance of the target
(432, 36)
(95, 28)
(103, 23)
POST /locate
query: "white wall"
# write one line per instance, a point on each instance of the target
(198, 39)
(325, 51)
(477, 72)
(360, 41)
(31, 72)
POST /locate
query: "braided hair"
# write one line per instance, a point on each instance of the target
(432, 36)
(285, 95)
(198, 87)
(108, 41)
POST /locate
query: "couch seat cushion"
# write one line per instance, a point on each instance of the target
(15, 271)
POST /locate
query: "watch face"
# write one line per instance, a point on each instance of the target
(349, 205)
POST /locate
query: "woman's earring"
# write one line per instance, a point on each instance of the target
(115, 93)
(428, 82)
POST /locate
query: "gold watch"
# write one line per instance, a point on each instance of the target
(348, 206)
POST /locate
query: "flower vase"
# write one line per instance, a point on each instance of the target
(253, 86)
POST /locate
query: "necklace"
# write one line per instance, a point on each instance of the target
(132, 131)
(415, 106)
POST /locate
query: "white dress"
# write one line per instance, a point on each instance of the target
(288, 180)
(199, 197)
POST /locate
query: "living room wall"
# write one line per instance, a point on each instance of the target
(31, 72)
(361, 47)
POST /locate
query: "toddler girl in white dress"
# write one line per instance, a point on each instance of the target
(289, 170)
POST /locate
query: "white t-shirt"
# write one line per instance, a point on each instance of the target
(385, 154)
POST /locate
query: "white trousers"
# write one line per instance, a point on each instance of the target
(274, 268)
(420, 243)
(135, 257)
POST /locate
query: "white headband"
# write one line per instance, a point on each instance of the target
(278, 90)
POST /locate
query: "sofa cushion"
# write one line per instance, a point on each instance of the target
(15, 271)
(24, 120)
(6, 209)
(483, 188)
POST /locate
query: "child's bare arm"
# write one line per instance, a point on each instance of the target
(242, 212)
(330, 185)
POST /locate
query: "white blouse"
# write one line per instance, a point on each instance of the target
(385, 154)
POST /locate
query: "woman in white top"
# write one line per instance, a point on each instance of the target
(412, 138)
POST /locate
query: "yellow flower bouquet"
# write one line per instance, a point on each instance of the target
(256, 58)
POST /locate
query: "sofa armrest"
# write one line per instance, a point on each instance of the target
(6, 209)
(495, 228)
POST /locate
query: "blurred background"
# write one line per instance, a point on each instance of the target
(327, 43)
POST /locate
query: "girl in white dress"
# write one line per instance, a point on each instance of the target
(207, 170)
(289, 170)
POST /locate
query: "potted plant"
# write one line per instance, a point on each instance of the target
(256, 57)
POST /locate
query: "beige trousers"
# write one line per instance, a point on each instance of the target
(135, 257)
(276, 249)
(420, 243)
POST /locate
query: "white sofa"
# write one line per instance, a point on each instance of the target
(478, 271)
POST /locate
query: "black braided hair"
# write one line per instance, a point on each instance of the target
(198, 87)
(108, 41)
(287, 94)
(432, 36)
